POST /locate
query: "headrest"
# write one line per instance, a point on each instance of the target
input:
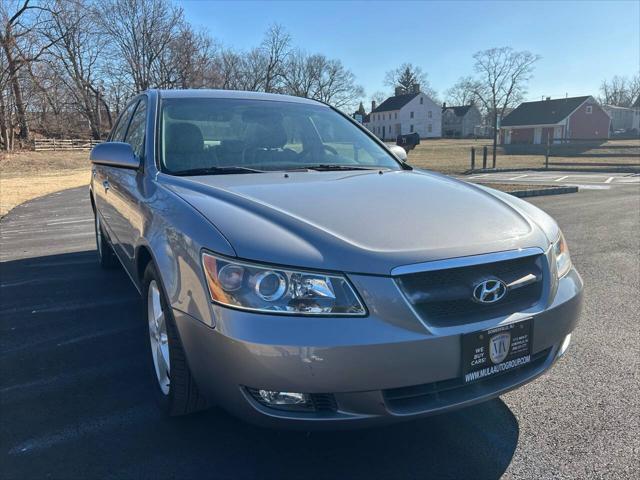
(184, 138)
(271, 135)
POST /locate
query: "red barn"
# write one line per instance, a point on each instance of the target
(564, 118)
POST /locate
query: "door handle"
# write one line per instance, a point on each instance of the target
(106, 185)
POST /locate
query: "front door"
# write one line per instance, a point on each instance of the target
(125, 190)
(103, 175)
(557, 134)
(537, 135)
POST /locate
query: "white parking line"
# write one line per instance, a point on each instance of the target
(68, 222)
(609, 180)
(479, 176)
(561, 178)
(519, 176)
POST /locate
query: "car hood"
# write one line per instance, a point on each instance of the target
(356, 221)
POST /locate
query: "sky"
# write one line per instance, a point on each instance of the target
(581, 43)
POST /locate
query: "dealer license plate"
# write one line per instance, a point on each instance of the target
(490, 352)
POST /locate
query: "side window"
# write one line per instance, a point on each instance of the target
(123, 122)
(135, 133)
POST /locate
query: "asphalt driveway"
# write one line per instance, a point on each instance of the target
(75, 398)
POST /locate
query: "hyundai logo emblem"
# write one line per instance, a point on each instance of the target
(489, 291)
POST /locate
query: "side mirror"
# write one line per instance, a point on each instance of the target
(114, 154)
(399, 152)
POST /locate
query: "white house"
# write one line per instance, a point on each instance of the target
(621, 117)
(406, 113)
(460, 122)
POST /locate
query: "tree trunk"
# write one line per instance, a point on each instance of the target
(21, 113)
(4, 132)
(495, 134)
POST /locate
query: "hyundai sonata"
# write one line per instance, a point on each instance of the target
(296, 271)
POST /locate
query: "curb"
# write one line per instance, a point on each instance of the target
(544, 191)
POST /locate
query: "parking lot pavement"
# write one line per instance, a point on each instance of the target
(75, 398)
(584, 180)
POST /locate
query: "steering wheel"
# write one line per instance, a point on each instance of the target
(328, 148)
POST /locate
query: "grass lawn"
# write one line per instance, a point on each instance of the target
(453, 156)
(26, 175)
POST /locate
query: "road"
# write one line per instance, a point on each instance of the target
(75, 399)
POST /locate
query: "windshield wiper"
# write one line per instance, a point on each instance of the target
(325, 167)
(215, 171)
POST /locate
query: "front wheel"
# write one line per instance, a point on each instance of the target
(106, 256)
(174, 386)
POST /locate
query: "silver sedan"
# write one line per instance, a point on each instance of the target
(297, 272)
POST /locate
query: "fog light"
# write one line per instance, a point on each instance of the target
(271, 397)
(565, 345)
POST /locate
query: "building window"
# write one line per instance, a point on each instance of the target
(429, 128)
(411, 127)
(589, 109)
(395, 115)
(429, 114)
(411, 115)
(421, 100)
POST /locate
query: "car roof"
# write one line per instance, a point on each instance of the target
(210, 93)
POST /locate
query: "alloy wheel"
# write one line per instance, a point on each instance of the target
(158, 337)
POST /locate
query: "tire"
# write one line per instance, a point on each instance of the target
(106, 256)
(175, 389)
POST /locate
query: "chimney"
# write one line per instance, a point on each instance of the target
(373, 105)
(399, 91)
(415, 88)
(444, 105)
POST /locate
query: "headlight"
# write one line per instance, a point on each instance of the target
(263, 288)
(561, 255)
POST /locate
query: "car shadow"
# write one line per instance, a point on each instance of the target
(76, 402)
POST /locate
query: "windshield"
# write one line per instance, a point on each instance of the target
(205, 135)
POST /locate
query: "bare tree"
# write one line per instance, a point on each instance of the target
(276, 48)
(407, 75)
(323, 79)
(189, 60)
(141, 31)
(462, 92)
(229, 66)
(336, 85)
(78, 55)
(79, 61)
(501, 83)
(378, 97)
(620, 91)
(21, 45)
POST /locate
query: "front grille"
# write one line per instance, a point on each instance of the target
(324, 402)
(445, 297)
(437, 394)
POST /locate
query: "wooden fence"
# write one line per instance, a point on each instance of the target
(64, 144)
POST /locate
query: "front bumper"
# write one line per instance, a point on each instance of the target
(380, 369)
